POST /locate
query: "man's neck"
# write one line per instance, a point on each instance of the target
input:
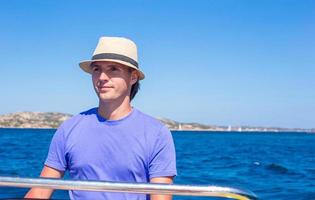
(114, 110)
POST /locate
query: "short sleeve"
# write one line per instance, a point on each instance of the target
(56, 155)
(163, 159)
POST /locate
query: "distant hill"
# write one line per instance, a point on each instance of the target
(174, 125)
(33, 120)
(54, 119)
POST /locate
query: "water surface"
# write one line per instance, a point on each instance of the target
(273, 165)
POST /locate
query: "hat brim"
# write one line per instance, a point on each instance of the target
(86, 66)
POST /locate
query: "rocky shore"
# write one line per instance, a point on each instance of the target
(33, 120)
(54, 119)
(174, 125)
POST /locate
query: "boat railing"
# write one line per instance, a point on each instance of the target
(144, 188)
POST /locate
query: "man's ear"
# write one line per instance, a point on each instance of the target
(134, 77)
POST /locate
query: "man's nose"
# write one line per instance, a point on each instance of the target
(103, 76)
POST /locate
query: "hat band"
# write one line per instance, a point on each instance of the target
(115, 57)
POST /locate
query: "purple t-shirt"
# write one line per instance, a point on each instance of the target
(132, 149)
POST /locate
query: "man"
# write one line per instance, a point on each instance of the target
(113, 142)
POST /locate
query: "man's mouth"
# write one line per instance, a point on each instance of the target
(103, 88)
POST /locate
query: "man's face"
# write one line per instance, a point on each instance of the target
(112, 81)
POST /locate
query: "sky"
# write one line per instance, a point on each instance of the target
(218, 62)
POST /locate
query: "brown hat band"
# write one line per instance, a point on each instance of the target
(115, 57)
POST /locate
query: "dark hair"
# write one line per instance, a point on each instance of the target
(135, 87)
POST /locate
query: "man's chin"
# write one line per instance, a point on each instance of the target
(110, 98)
(107, 98)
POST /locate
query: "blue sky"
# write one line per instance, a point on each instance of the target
(224, 62)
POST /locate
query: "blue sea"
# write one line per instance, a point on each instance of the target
(272, 165)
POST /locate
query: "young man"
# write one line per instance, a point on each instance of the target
(113, 142)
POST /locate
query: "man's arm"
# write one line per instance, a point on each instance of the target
(168, 180)
(42, 193)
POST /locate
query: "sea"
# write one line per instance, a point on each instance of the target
(272, 165)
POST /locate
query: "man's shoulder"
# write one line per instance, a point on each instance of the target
(74, 120)
(149, 120)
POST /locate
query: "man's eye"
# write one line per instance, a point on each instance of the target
(95, 69)
(114, 68)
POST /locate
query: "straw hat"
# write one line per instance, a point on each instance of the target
(114, 49)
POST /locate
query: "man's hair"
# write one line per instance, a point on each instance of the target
(134, 88)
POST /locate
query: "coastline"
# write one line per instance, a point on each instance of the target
(186, 130)
(35, 128)
(247, 132)
(52, 120)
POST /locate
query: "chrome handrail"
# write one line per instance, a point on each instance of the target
(144, 188)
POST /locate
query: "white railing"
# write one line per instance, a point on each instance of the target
(144, 188)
